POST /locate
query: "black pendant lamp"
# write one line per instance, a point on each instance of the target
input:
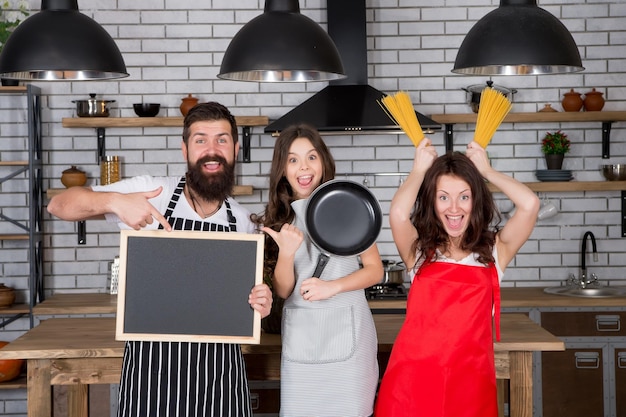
(518, 38)
(59, 43)
(282, 45)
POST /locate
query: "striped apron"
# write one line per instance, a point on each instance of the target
(184, 379)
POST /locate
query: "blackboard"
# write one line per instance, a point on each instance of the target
(188, 286)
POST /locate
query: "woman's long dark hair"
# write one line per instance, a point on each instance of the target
(479, 237)
(278, 210)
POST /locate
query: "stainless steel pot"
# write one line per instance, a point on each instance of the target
(92, 107)
(394, 272)
(476, 90)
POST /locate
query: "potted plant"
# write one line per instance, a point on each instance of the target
(554, 146)
(12, 13)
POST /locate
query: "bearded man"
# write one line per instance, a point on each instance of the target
(179, 378)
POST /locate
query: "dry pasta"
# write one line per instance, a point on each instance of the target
(493, 108)
(400, 109)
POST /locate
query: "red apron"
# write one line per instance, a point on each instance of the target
(442, 362)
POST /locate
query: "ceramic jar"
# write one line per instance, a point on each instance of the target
(593, 100)
(7, 296)
(572, 101)
(73, 177)
(187, 104)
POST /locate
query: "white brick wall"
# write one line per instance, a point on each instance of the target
(174, 47)
(412, 45)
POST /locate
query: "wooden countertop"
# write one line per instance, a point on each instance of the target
(95, 337)
(532, 297)
(77, 303)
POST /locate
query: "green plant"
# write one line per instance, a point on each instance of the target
(555, 143)
(12, 13)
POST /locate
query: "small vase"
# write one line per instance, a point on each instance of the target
(554, 161)
(593, 100)
(73, 177)
(572, 101)
(7, 296)
(187, 104)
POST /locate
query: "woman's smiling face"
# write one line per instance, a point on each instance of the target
(453, 204)
(304, 168)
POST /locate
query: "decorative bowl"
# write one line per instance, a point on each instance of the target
(615, 172)
(146, 109)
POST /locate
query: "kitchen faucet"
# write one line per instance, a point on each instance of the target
(584, 281)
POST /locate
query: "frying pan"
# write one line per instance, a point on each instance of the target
(342, 218)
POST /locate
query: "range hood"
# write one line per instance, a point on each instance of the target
(348, 105)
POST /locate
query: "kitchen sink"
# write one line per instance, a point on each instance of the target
(589, 292)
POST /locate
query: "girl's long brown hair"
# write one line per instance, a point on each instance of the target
(278, 210)
(480, 236)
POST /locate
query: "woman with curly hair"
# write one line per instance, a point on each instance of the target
(445, 223)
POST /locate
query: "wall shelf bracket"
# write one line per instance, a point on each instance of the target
(245, 142)
(101, 152)
(624, 213)
(606, 140)
(449, 137)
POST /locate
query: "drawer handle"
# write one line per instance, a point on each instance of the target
(621, 360)
(608, 323)
(587, 360)
(255, 400)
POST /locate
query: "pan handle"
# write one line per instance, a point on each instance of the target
(322, 260)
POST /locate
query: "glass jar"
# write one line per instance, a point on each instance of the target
(109, 169)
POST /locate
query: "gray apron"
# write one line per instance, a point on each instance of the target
(328, 365)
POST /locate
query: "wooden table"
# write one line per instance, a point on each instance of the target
(81, 351)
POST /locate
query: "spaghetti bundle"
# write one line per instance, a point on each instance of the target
(400, 109)
(493, 108)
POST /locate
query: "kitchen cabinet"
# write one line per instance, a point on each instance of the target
(30, 228)
(589, 377)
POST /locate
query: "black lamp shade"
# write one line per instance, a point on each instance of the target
(282, 45)
(59, 43)
(518, 38)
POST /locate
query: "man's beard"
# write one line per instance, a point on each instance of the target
(211, 187)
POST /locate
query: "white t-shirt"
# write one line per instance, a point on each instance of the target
(146, 183)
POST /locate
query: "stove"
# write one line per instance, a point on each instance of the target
(386, 292)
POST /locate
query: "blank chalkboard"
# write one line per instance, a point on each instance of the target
(188, 286)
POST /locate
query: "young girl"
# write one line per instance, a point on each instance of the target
(442, 362)
(328, 364)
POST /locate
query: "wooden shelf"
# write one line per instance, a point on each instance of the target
(538, 117)
(19, 382)
(605, 117)
(237, 190)
(13, 89)
(150, 121)
(15, 309)
(549, 186)
(14, 236)
(14, 163)
(101, 123)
